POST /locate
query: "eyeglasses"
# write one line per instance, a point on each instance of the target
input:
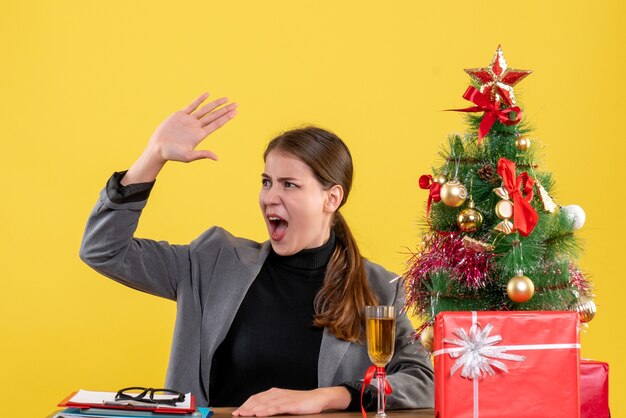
(150, 395)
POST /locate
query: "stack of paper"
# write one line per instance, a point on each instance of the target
(91, 404)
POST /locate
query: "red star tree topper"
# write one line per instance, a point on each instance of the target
(497, 80)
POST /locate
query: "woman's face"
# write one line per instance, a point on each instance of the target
(297, 210)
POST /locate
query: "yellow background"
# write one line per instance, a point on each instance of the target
(85, 83)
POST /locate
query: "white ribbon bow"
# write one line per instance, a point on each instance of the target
(477, 354)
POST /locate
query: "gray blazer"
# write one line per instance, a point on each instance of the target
(209, 279)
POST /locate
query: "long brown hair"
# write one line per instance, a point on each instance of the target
(340, 303)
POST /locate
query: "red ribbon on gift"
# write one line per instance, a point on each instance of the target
(492, 111)
(426, 182)
(367, 379)
(521, 190)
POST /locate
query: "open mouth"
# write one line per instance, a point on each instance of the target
(277, 226)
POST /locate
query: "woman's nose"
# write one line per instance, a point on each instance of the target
(271, 196)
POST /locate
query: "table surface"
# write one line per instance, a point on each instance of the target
(400, 413)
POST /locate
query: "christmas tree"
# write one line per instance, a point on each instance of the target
(495, 238)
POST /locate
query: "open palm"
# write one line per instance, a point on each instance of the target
(178, 136)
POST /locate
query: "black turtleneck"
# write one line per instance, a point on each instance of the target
(272, 341)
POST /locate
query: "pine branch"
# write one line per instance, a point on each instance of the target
(555, 238)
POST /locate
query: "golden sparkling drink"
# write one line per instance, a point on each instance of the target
(381, 336)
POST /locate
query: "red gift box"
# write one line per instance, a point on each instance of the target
(594, 389)
(507, 364)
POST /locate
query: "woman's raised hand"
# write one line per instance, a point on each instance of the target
(178, 136)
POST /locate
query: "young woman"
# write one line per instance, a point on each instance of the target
(273, 327)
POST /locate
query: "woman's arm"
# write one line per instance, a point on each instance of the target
(108, 244)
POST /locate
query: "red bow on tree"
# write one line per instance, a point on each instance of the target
(492, 111)
(426, 182)
(521, 190)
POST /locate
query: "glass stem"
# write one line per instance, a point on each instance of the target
(380, 379)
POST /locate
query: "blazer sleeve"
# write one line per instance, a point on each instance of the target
(109, 247)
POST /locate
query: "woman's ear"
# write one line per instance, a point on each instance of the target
(334, 198)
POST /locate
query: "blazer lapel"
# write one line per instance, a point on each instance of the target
(332, 351)
(225, 295)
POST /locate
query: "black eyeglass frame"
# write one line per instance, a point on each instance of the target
(141, 397)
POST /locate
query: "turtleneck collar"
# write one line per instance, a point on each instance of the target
(310, 259)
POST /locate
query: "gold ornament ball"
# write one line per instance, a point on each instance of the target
(441, 179)
(453, 193)
(586, 308)
(520, 289)
(427, 338)
(504, 209)
(469, 220)
(522, 143)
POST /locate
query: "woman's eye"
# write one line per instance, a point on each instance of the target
(289, 185)
(266, 183)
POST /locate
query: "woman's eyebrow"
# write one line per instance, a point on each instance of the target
(290, 179)
(280, 179)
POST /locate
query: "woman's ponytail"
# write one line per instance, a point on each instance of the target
(340, 303)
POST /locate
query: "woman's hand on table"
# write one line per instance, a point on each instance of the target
(295, 402)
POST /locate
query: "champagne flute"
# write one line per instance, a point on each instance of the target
(380, 327)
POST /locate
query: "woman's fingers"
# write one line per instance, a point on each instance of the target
(220, 121)
(284, 401)
(256, 403)
(208, 119)
(179, 135)
(209, 107)
(194, 105)
(211, 119)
